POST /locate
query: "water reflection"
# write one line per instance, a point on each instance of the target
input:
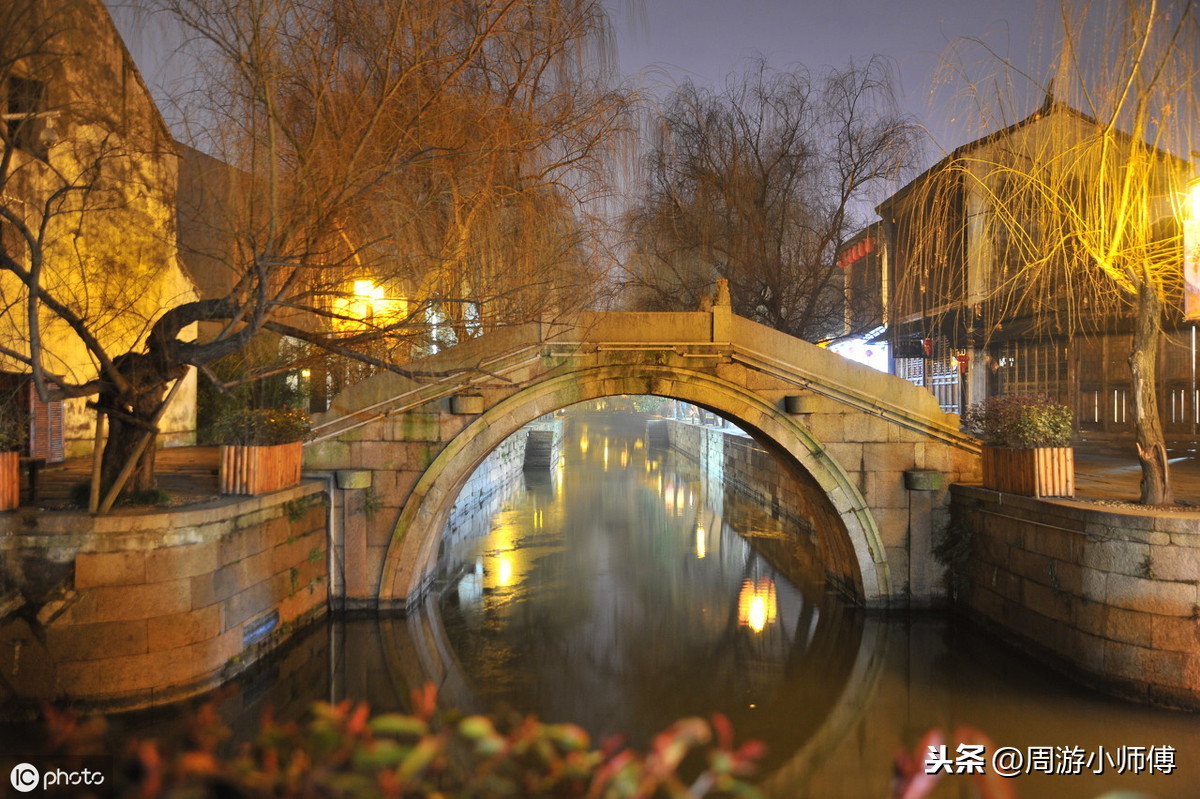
(625, 599)
(625, 589)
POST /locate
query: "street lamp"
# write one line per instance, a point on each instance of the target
(1190, 222)
(1191, 258)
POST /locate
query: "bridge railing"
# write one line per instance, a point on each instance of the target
(699, 334)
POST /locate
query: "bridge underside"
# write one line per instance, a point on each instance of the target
(857, 556)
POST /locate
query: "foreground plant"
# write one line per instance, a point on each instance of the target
(344, 751)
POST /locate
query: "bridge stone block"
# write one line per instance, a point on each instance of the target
(415, 426)
(847, 456)
(893, 526)
(897, 557)
(825, 426)
(382, 455)
(888, 458)
(886, 490)
(863, 428)
(325, 455)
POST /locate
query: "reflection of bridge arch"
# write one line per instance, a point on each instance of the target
(411, 557)
(843, 664)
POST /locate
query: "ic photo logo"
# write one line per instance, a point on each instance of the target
(56, 780)
(25, 777)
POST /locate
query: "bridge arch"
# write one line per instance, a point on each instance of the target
(412, 550)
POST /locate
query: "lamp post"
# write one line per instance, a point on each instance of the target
(1191, 258)
(1190, 222)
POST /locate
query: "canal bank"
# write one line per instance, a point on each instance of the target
(140, 608)
(1105, 593)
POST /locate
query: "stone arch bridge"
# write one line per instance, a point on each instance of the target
(879, 448)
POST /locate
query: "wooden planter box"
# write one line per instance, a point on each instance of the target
(10, 480)
(257, 470)
(1039, 472)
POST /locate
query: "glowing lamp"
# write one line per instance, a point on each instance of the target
(1191, 258)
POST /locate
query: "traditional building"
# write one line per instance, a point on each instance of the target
(976, 304)
(88, 174)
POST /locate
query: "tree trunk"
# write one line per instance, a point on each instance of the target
(124, 433)
(1143, 364)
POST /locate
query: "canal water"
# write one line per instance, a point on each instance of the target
(630, 584)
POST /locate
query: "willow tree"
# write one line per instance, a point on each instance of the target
(1078, 203)
(87, 238)
(324, 115)
(758, 183)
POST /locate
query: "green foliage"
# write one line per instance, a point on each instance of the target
(295, 509)
(372, 502)
(261, 426)
(343, 751)
(283, 390)
(1020, 421)
(954, 548)
(12, 428)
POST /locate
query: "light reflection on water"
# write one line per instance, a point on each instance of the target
(616, 592)
(622, 600)
(629, 588)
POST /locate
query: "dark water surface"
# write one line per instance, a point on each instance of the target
(629, 586)
(632, 586)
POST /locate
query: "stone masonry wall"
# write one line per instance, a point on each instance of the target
(759, 476)
(395, 452)
(1106, 592)
(136, 609)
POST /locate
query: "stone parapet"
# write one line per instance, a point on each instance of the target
(134, 610)
(1105, 593)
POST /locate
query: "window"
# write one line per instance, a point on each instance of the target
(26, 100)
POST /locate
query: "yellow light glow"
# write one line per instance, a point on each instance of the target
(501, 563)
(624, 458)
(367, 290)
(701, 544)
(369, 303)
(583, 443)
(504, 571)
(757, 605)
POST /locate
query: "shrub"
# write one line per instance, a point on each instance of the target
(261, 426)
(12, 431)
(343, 751)
(1020, 421)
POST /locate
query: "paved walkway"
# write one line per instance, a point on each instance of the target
(190, 475)
(1115, 477)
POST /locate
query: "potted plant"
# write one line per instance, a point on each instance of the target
(1027, 444)
(12, 438)
(260, 448)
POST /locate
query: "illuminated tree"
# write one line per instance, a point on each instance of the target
(437, 152)
(87, 245)
(1080, 201)
(757, 184)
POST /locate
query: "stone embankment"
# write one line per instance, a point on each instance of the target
(1108, 594)
(139, 608)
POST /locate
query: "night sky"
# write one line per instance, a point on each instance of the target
(660, 42)
(664, 41)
